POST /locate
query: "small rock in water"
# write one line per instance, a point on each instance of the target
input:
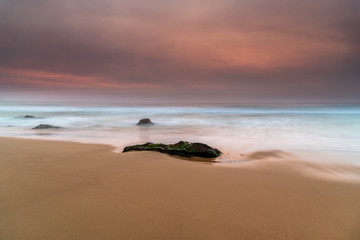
(28, 116)
(46, 126)
(145, 121)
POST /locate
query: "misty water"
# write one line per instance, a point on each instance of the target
(235, 130)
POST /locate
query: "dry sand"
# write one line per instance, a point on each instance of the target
(61, 190)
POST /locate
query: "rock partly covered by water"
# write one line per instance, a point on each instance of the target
(28, 117)
(145, 122)
(184, 149)
(46, 126)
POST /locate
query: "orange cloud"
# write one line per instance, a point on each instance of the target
(50, 79)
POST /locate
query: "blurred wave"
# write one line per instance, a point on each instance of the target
(236, 130)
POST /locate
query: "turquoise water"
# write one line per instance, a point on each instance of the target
(233, 129)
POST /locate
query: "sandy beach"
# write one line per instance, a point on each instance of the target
(65, 190)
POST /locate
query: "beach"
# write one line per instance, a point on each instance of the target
(67, 190)
(180, 120)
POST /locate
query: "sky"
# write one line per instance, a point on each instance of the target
(189, 50)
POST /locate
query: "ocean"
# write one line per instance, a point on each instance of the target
(234, 129)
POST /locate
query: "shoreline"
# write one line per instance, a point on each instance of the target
(269, 159)
(297, 162)
(234, 130)
(66, 190)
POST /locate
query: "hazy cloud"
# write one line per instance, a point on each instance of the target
(181, 50)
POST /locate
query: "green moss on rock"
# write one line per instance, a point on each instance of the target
(184, 149)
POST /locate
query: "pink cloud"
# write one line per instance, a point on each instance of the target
(50, 79)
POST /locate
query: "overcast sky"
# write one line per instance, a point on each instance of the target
(189, 50)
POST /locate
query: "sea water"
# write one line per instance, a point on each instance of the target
(234, 129)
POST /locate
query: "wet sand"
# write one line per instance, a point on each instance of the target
(64, 190)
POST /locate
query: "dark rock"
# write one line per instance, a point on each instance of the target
(46, 126)
(28, 117)
(184, 149)
(145, 122)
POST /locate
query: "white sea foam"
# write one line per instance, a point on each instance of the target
(234, 130)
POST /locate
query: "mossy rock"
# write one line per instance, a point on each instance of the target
(184, 149)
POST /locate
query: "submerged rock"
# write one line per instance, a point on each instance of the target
(145, 122)
(46, 126)
(28, 117)
(184, 149)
